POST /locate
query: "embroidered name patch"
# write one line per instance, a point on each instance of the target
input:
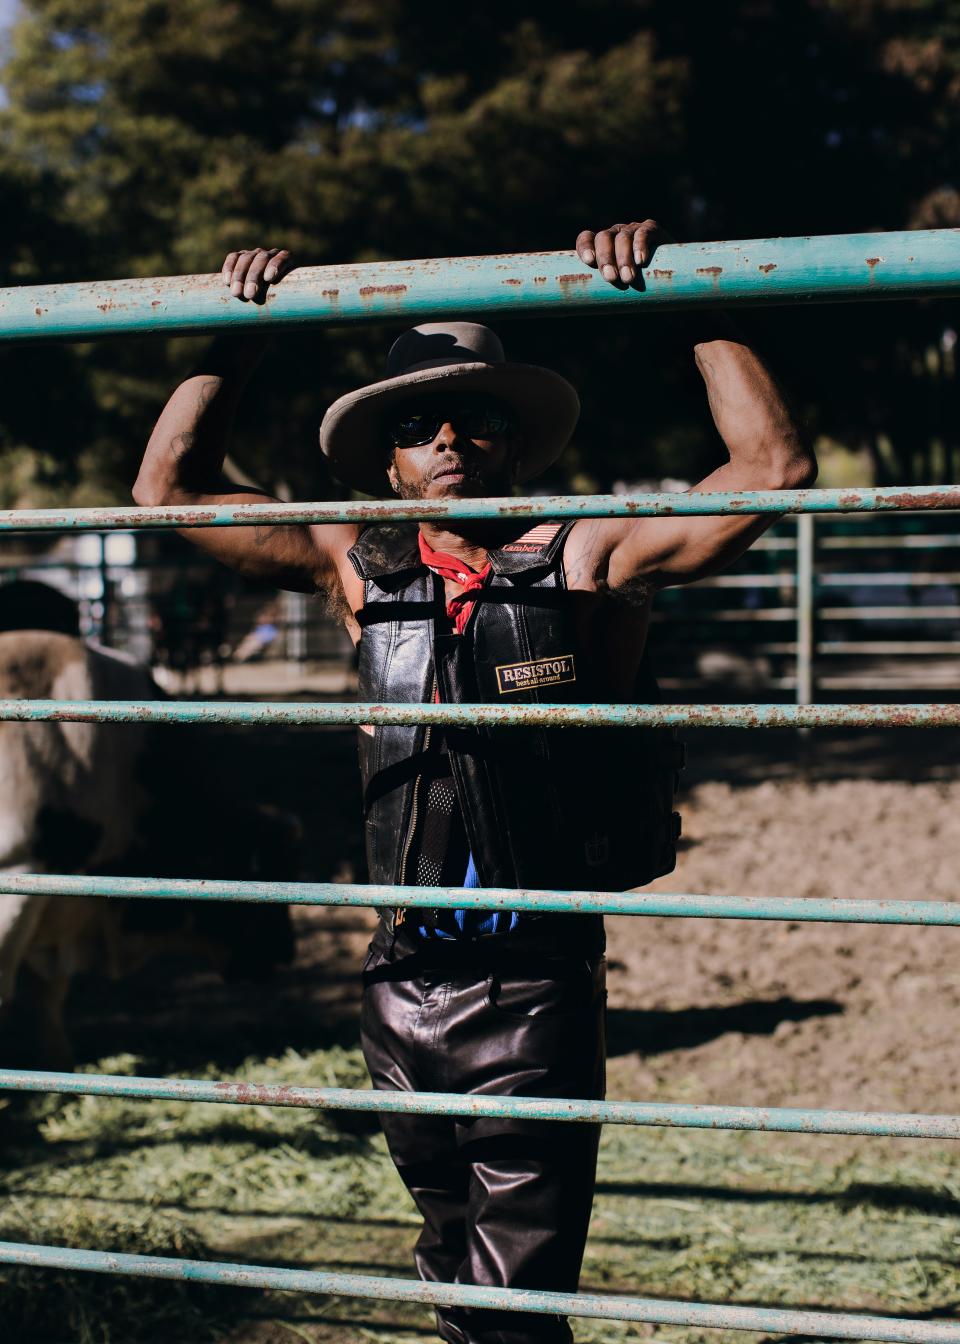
(537, 539)
(536, 673)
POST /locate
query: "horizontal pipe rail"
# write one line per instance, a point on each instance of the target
(770, 1119)
(595, 1306)
(681, 905)
(889, 647)
(833, 267)
(917, 613)
(486, 715)
(839, 579)
(669, 504)
(937, 541)
(866, 579)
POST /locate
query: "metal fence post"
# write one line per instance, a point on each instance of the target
(805, 608)
(295, 621)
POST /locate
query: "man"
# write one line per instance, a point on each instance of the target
(473, 1001)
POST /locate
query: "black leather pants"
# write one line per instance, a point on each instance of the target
(505, 1202)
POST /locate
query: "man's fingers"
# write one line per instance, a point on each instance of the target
(646, 240)
(253, 281)
(618, 250)
(241, 266)
(623, 249)
(241, 260)
(250, 269)
(278, 265)
(606, 254)
(585, 248)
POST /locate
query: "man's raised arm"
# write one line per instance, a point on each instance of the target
(766, 446)
(183, 462)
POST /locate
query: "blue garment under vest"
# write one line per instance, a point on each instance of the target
(475, 923)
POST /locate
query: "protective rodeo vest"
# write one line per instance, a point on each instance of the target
(571, 808)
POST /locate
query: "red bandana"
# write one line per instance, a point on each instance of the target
(460, 607)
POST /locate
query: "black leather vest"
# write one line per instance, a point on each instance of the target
(568, 808)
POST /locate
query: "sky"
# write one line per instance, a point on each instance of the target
(8, 10)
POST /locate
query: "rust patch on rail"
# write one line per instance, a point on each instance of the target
(539, 279)
(770, 266)
(712, 271)
(935, 499)
(39, 311)
(106, 307)
(368, 291)
(511, 281)
(275, 1094)
(662, 275)
(577, 278)
(330, 293)
(874, 261)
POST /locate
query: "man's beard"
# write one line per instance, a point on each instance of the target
(489, 484)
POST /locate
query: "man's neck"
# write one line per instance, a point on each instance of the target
(469, 542)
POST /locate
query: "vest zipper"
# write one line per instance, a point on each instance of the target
(414, 809)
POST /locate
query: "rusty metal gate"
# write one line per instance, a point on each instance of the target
(854, 267)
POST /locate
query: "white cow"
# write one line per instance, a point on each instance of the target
(70, 802)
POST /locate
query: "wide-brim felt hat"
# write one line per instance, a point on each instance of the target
(454, 357)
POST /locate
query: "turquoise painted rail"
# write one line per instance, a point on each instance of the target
(863, 499)
(595, 1306)
(682, 275)
(485, 715)
(673, 1115)
(808, 909)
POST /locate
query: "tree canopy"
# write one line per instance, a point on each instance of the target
(153, 136)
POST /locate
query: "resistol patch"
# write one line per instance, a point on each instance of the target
(536, 673)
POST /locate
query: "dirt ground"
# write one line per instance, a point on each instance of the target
(761, 1013)
(767, 1013)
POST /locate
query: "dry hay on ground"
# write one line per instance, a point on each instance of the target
(701, 1010)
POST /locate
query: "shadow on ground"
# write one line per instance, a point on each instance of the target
(915, 1199)
(744, 756)
(654, 1032)
(176, 1018)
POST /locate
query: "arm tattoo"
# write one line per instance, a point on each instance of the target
(207, 393)
(584, 563)
(181, 445)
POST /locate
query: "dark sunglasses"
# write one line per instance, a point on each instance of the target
(412, 429)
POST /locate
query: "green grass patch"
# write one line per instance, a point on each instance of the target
(748, 1218)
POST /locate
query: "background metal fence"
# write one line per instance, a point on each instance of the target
(793, 269)
(819, 605)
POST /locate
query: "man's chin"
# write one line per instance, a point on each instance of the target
(462, 487)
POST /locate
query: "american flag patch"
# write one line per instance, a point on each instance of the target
(537, 539)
